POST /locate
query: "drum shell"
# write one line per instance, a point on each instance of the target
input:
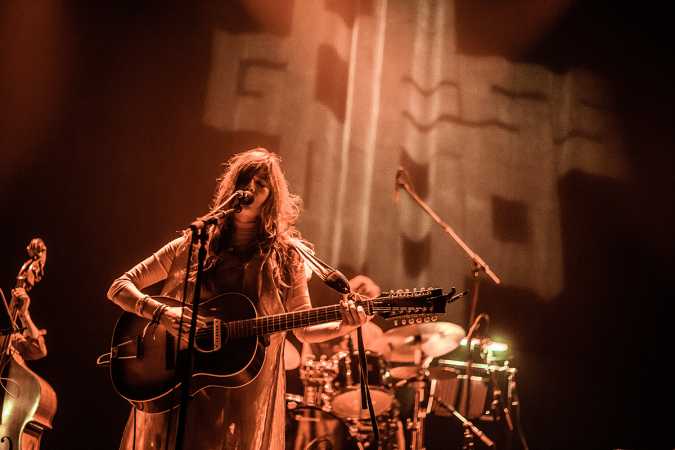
(346, 387)
(348, 374)
(486, 382)
(454, 391)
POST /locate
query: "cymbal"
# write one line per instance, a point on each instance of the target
(431, 339)
(372, 334)
(291, 356)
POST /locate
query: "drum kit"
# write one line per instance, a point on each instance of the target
(408, 379)
(412, 380)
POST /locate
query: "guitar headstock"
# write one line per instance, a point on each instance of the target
(407, 306)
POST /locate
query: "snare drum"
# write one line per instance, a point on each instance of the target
(346, 402)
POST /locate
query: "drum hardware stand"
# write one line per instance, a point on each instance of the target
(469, 358)
(416, 425)
(470, 430)
(500, 413)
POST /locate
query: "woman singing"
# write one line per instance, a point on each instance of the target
(250, 252)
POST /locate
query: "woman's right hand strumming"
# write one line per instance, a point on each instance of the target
(171, 320)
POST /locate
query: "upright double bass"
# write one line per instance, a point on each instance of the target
(28, 402)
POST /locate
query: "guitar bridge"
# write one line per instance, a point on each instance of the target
(217, 335)
(211, 339)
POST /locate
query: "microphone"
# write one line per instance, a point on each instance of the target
(332, 277)
(336, 280)
(244, 197)
(234, 201)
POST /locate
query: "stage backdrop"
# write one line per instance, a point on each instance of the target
(350, 92)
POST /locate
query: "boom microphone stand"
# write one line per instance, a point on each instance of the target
(403, 181)
(337, 281)
(470, 429)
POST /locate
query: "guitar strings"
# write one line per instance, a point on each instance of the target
(283, 320)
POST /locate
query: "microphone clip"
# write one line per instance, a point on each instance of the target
(232, 204)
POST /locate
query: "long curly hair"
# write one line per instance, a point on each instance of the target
(278, 215)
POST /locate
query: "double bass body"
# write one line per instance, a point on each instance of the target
(28, 407)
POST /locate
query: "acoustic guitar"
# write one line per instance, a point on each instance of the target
(229, 352)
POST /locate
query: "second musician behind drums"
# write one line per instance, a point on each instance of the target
(251, 253)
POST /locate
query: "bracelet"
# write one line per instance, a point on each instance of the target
(158, 313)
(140, 304)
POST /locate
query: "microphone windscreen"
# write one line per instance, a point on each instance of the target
(338, 281)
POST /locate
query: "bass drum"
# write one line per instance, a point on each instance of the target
(311, 428)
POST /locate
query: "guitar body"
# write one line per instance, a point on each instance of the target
(143, 359)
(31, 404)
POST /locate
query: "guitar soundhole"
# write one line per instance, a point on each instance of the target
(204, 340)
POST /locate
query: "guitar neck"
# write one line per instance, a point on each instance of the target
(288, 321)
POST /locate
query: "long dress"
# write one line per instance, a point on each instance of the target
(251, 417)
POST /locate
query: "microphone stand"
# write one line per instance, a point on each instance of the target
(198, 228)
(478, 263)
(337, 281)
(402, 181)
(469, 428)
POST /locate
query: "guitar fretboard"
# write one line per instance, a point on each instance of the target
(289, 321)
